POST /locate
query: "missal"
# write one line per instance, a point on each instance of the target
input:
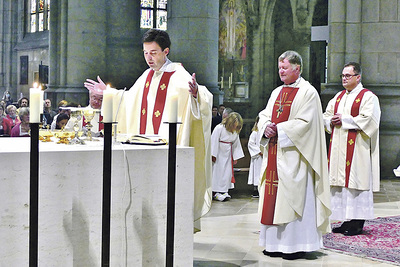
(145, 140)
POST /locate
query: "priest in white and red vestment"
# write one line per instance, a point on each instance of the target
(352, 117)
(143, 109)
(294, 203)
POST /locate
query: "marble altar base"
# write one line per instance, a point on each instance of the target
(70, 186)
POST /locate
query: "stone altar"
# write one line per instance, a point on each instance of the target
(70, 199)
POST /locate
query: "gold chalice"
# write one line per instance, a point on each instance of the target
(76, 114)
(89, 115)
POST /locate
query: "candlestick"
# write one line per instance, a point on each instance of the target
(107, 106)
(173, 108)
(34, 109)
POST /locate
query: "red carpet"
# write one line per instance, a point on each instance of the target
(379, 241)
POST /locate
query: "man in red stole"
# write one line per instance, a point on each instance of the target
(294, 204)
(352, 117)
(144, 109)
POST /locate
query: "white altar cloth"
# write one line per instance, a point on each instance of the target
(70, 204)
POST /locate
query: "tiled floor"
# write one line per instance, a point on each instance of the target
(229, 235)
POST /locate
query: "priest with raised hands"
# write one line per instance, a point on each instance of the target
(294, 201)
(144, 108)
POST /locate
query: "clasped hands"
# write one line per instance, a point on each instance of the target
(271, 130)
(336, 120)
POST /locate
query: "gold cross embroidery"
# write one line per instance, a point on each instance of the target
(351, 142)
(271, 182)
(357, 100)
(348, 163)
(285, 104)
(338, 100)
(143, 111)
(163, 86)
(147, 84)
(157, 113)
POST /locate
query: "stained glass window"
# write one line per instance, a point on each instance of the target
(39, 15)
(148, 9)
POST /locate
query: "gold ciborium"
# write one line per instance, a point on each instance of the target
(45, 136)
(63, 136)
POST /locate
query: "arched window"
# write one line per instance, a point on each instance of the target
(39, 14)
(148, 9)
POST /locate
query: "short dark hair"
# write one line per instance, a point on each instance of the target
(159, 36)
(356, 67)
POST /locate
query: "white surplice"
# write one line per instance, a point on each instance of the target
(256, 159)
(224, 146)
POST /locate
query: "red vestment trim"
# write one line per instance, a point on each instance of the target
(233, 176)
(334, 112)
(351, 134)
(160, 100)
(280, 113)
(143, 109)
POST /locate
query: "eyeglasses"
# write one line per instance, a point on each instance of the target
(348, 76)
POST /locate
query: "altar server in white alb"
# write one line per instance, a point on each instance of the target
(294, 203)
(144, 109)
(352, 118)
(225, 150)
(256, 159)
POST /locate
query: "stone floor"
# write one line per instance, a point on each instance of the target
(229, 235)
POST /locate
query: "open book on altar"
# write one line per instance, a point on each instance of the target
(154, 140)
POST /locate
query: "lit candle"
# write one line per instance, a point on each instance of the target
(107, 106)
(41, 99)
(173, 108)
(34, 105)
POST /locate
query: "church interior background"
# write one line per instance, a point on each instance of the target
(232, 45)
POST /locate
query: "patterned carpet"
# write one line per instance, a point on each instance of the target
(380, 241)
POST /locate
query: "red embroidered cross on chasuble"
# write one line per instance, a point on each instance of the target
(159, 103)
(280, 113)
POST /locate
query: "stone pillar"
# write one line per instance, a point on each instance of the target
(90, 38)
(8, 56)
(193, 27)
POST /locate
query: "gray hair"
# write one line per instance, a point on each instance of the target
(23, 111)
(293, 57)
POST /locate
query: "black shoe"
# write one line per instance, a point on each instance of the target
(293, 256)
(272, 254)
(353, 231)
(339, 230)
(255, 194)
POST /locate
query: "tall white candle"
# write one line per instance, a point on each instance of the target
(34, 105)
(107, 106)
(173, 108)
(41, 100)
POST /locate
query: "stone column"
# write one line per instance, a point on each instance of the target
(90, 38)
(193, 28)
